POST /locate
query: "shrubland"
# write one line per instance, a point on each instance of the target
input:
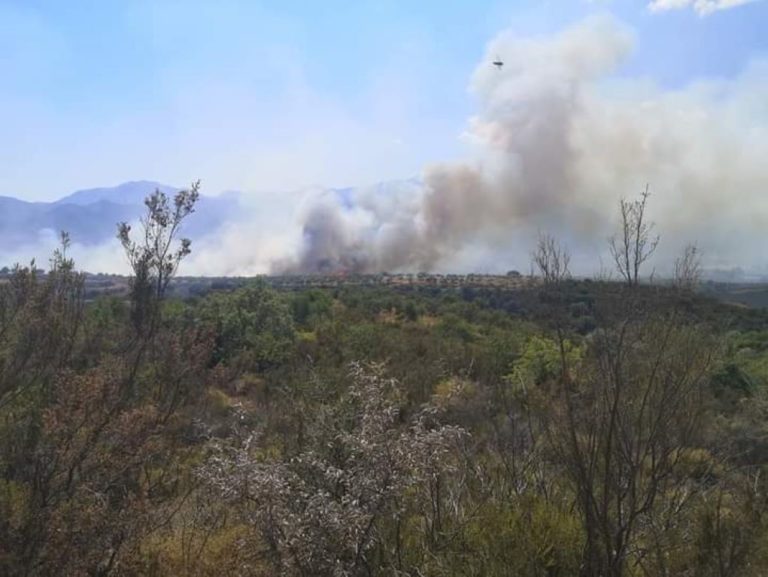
(584, 428)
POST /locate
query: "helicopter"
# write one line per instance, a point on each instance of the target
(498, 63)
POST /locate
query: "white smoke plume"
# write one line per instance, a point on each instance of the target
(557, 140)
(560, 135)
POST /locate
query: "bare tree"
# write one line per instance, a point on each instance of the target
(635, 242)
(551, 259)
(688, 268)
(621, 424)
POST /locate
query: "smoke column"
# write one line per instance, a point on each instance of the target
(557, 140)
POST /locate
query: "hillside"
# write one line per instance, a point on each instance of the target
(90, 215)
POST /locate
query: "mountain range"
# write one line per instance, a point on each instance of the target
(91, 216)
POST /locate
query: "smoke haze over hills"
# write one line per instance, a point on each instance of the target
(556, 142)
(559, 135)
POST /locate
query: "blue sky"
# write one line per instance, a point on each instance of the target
(271, 95)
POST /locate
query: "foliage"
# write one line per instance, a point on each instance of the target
(321, 511)
(566, 428)
(252, 325)
(153, 258)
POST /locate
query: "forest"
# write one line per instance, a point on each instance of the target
(608, 427)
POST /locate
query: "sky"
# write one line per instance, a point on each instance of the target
(266, 96)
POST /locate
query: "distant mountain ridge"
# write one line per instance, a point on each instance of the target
(90, 216)
(128, 193)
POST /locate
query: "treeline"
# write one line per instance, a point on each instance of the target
(565, 429)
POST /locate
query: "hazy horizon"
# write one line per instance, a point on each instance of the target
(594, 100)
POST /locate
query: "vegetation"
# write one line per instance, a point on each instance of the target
(561, 428)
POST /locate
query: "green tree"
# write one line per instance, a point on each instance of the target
(253, 326)
(156, 256)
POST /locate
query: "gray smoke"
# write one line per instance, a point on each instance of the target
(557, 140)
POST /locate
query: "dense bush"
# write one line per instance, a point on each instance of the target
(566, 428)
